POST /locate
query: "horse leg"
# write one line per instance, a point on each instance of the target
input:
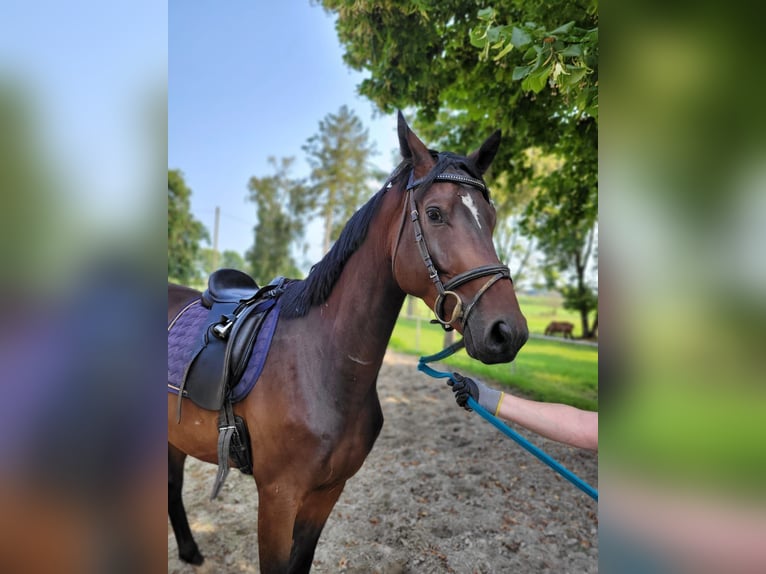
(187, 548)
(309, 523)
(277, 509)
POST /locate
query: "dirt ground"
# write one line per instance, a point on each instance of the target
(442, 491)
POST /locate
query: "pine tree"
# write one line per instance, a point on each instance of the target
(282, 205)
(339, 156)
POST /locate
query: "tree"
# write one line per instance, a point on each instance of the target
(515, 245)
(184, 232)
(514, 248)
(232, 260)
(419, 53)
(229, 258)
(282, 204)
(560, 58)
(564, 221)
(204, 263)
(339, 156)
(434, 55)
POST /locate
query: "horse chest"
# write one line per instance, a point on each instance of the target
(347, 437)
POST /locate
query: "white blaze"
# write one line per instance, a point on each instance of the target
(468, 202)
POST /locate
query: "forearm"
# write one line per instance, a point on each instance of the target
(558, 422)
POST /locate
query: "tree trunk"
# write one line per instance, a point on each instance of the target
(594, 328)
(580, 268)
(584, 320)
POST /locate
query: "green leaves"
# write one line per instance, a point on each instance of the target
(571, 51)
(554, 57)
(562, 30)
(478, 37)
(520, 72)
(503, 52)
(535, 79)
(280, 204)
(520, 37)
(486, 14)
(184, 232)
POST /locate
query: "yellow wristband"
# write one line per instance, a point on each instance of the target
(500, 400)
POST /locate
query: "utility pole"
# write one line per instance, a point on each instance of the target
(215, 238)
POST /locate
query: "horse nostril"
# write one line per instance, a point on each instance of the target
(502, 335)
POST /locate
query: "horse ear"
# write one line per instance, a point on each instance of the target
(483, 157)
(410, 145)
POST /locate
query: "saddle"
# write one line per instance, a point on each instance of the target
(238, 308)
(228, 286)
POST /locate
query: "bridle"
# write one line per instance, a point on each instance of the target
(446, 290)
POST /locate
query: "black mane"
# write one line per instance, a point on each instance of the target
(300, 296)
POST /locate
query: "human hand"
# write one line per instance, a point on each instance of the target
(463, 387)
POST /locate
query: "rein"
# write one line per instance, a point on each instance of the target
(500, 425)
(460, 311)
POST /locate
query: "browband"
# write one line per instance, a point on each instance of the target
(453, 177)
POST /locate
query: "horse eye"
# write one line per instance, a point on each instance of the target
(434, 214)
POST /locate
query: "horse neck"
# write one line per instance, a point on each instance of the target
(366, 300)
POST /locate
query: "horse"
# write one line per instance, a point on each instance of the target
(563, 327)
(314, 414)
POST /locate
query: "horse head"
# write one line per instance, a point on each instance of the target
(444, 253)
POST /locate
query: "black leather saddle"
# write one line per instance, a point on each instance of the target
(228, 286)
(237, 310)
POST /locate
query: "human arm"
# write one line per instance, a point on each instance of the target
(562, 423)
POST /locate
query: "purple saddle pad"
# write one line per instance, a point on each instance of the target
(187, 329)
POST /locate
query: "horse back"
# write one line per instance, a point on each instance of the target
(178, 295)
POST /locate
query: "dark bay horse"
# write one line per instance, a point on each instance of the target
(314, 415)
(563, 327)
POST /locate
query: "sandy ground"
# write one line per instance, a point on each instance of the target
(442, 491)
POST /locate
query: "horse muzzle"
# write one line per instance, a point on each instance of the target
(495, 341)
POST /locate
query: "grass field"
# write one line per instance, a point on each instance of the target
(542, 309)
(538, 309)
(544, 370)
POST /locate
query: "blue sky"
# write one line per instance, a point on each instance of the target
(249, 80)
(95, 91)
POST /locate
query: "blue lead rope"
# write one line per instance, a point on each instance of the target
(501, 426)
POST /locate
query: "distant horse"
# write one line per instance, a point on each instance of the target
(563, 327)
(314, 415)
